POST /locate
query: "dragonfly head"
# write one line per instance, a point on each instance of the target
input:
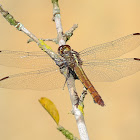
(64, 49)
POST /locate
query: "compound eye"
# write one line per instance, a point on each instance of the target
(64, 48)
(60, 50)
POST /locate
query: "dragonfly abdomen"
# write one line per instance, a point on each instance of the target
(88, 85)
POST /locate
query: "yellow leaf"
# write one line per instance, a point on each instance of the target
(51, 108)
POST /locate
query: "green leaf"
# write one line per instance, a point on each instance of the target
(51, 108)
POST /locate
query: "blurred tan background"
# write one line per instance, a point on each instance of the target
(21, 115)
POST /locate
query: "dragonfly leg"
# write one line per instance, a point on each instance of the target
(68, 75)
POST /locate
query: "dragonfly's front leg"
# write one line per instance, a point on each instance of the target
(67, 73)
(67, 76)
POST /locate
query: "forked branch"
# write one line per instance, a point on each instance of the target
(70, 82)
(62, 38)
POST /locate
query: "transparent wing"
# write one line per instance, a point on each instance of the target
(31, 60)
(45, 79)
(111, 70)
(111, 49)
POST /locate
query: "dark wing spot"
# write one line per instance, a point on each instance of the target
(136, 34)
(4, 78)
(137, 59)
(0, 51)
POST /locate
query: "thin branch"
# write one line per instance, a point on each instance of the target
(53, 40)
(19, 26)
(61, 41)
(70, 82)
(81, 100)
(82, 97)
(69, 33)
(66, 36)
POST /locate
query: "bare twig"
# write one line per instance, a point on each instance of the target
(70, 82)
(61, 41)
(30, 40)
(69, 33)
(81, 100)
(21, 27)
(82, 97)
(66, 36)
(53, 40)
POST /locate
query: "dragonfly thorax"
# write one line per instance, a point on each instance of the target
(71, 56)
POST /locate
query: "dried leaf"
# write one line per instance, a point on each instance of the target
(51, 108)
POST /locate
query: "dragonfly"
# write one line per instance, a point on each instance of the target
(99, 63)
